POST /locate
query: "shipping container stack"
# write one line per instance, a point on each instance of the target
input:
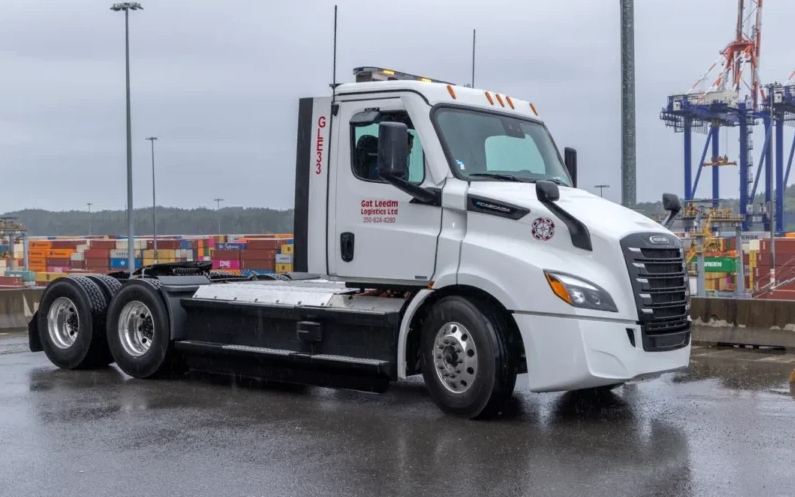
(785, 269)
(254, 254)
(11, 264)
(53, 257)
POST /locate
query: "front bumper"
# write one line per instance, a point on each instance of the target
(566, 353)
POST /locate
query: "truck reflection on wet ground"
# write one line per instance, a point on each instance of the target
(716, 429)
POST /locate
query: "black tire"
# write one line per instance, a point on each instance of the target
(87, 304)
(109, 286)
(157, 360)
(493, 376)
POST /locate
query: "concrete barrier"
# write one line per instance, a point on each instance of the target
(744, 321)
(17, 307)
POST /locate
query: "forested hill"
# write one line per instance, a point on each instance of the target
(171, 221)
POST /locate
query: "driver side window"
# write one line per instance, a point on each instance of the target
(364, 154)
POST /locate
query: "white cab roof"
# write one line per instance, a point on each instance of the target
(438, 93)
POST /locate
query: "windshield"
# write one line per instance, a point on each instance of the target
(484, 145)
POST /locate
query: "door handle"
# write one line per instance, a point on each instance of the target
(346, 246)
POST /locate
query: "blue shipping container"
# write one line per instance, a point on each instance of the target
(119, 263)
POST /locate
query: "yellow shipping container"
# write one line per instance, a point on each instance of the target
(288, 249)
(284, 268)
(161, 254)
(148, 262)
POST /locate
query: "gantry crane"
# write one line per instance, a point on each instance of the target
(732, 99)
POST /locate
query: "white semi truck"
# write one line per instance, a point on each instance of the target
(438, 231)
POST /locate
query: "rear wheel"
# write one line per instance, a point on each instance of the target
(71, 323)
(466, 363)
(138, 331)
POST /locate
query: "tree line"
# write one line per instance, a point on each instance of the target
(170, 221)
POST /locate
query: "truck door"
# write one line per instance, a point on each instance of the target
(379, 233)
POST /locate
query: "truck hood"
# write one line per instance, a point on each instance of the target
(602, 217)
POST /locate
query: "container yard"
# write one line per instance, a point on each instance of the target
(52, 257)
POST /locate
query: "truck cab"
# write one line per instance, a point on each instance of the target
(438, 231)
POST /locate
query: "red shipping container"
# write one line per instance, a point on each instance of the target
(258, 264)
(94, 253)
(226, 255)
(58, 262)
(782, 258)
(226, 264)
(264, 243)
(11, 281)
(58, 269)
(103, 244)
(77, 264)
(66, 244)
(258, 255)
(168, 244)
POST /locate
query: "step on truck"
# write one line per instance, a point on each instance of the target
(438, 232)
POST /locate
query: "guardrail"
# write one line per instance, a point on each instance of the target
(17, 307)
(744, 321)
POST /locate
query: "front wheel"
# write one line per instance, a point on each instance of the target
(466, 363)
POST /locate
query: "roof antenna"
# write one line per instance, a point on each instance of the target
(334, 68)
(473, 58)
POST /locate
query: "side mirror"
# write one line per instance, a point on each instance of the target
(547, 191)
(570, 159)
(393, 149)
(673, 205)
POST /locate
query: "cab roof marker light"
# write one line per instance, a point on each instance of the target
(366, 74)
(510, 102)
(499, 99)
(451, 91)
(533, 108)
(488, 96)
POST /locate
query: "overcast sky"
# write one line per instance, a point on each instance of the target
(218, 81)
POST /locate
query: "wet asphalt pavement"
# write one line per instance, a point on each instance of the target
(725, 427)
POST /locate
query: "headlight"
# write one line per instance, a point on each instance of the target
(580, 293)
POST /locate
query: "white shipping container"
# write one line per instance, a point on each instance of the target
(78, 256)
(284, 258)
(19, 247)
(753, 244)
(123, 254)
(82, 248)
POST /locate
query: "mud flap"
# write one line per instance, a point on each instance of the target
(33, 334)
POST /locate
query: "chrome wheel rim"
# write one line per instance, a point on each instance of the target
(136, 328)
(63, 323)
(455, 357)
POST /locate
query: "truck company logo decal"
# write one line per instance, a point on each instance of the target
(659, 239)
(321, 123)
(543, 229)
(379, 211)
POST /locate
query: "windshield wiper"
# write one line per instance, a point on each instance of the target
(503, 177)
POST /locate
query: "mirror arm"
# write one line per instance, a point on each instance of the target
(416, 191)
